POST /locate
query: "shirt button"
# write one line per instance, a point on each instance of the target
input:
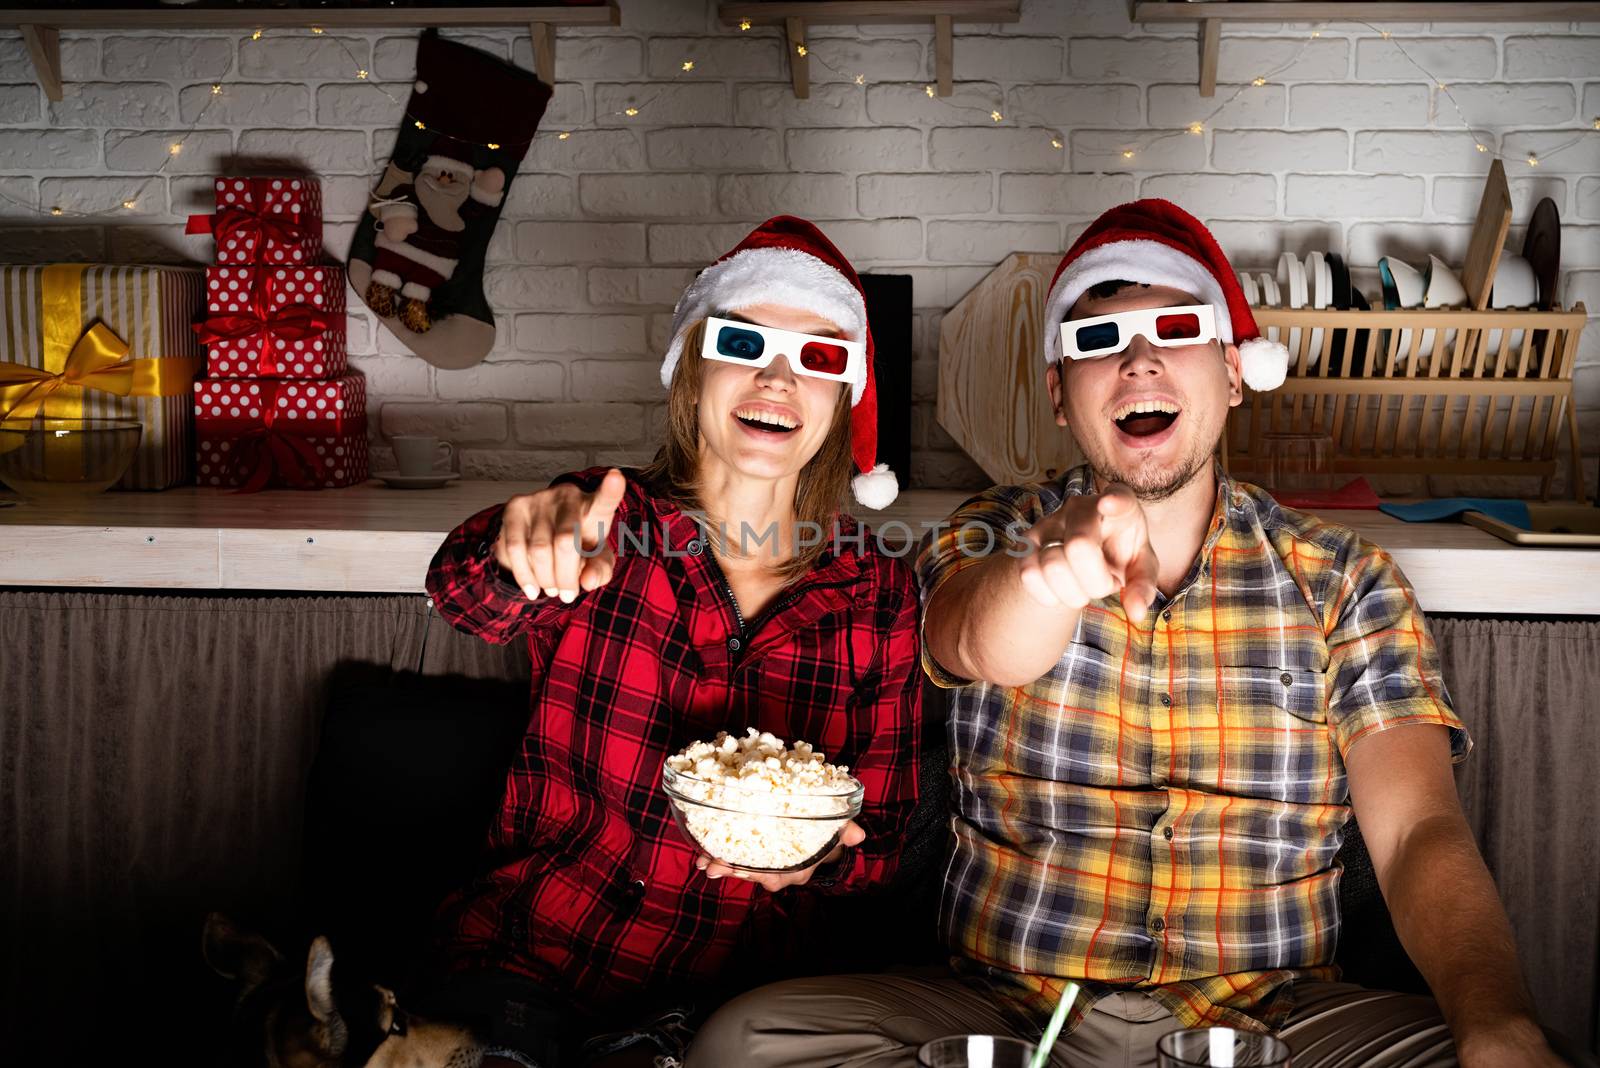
(636, 888)
(1286, 678)
(1158, 925)
(734, 645)
(695, 546)
(483, 547)
(1166, 700)
(1166, 832)
(1167, 615)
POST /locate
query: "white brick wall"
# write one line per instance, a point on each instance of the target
(1349, 147)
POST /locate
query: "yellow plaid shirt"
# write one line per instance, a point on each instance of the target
(1161, 810)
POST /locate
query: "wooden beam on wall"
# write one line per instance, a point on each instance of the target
(544, 51)
(944, 54)
(44, 48)
(1210, 44)
(799, 62)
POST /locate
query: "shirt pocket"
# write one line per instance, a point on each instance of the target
(1276, 737)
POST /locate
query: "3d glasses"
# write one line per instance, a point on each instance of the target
(1107, 335)
(755, 345)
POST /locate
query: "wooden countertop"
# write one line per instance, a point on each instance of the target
(372, 539)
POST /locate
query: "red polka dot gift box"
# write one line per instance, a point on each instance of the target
(274, 322)
(256, 433)
(275, 221)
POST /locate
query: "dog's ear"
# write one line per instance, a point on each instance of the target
(234, 953)
(319, 980)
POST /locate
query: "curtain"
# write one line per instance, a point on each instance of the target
(154, 751)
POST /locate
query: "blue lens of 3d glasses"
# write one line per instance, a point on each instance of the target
(740, 344)
(1098, 336)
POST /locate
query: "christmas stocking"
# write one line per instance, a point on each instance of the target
(417, 257)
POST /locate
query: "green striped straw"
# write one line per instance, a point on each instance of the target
(1052, 1031)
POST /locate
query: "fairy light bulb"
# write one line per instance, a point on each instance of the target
(494, 144)
(563, 135)
(55, 211)
(316, 30)
(418, 123)
(362, 73)
(744, 24)
(1258, 82)
(1533, 161)
(216, 90)
(175, 149)
(1055, 142)
(1197, 127)
(1127, 153)
(130, 204)
(1386, 35)
(688, 65)
(256, 36)
(1482, 147)
(996, 116)
(630, 112)
(928, 89)
(861, 79)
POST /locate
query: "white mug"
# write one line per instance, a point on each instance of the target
(420, 454)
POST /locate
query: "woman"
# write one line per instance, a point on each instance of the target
(662, 606)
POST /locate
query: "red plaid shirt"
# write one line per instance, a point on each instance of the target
(591, 889)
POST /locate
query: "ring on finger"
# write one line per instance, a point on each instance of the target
(1052, 545)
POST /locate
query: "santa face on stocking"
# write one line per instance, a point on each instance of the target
(421, 219)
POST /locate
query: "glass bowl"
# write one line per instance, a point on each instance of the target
(755, 830)
(47, 457)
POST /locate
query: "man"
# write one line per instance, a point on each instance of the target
(1169, 693)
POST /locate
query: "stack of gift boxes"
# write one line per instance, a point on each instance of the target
(280, 406)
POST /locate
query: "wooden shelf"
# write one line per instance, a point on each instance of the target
(1211, 16)
(795, 15)
(41, 26)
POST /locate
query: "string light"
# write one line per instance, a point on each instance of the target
(418, 124)
(216, 90)
(1385, 35)
(1055, 142)
(55, 211)
(1482, 147)
(688, 64)
(1197, 127)
(744, 24)
(494, 144)
(929, 90)
(563, 135)
(861, 79)
(996, 116)
(1533, 161)
(1259, 82)
(1127, 153)
(1597, 124)
(130, 204)
(802, 50)
(362, 73)
(256, 36)
(176, 148)
(630, 112)
(316, 30)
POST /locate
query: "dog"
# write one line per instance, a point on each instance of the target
(286, 1015)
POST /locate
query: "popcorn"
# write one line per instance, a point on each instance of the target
(761, 805)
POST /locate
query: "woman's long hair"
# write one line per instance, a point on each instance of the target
(675, 472)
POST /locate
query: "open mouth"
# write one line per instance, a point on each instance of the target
(765, 421)
(1146, 418)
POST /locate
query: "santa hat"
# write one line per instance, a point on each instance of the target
(1157, 243)
(788, 261)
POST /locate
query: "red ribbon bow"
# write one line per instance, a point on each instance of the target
(293, 322)
(255, 230)
(266, 450)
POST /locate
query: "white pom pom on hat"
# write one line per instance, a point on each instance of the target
(1157, 243)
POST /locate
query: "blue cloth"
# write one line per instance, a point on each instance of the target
(1513, 512)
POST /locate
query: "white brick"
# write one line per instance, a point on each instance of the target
(49, 150)
(80, 55)
(1010, 58)
(1588, 198)
(1075, 105)
(577, 424)
(1527, 58)
(20, 189)
(1580, 247)
(395, 376)
(1322, 150)
(579, 242)
(358, 327)
(887, 148)
(1341, 196)
(361, 104)
(569, 106)
(461, 424)
(698, 245)
(1582, 287)
(1591, 100)
(728, 148)
(1065, 195)
(910, 105)
(1582, 157)
(616, 380)
(660, 333)
(646, 196)
(113, 104)
(585, 150)
(1458, 197)
(343, 196)
(246, 105)
(509, 381)
(1143, 59)
(98, 196)
(876, 240)
(987, 241)
(1179, 105)
(883, 59)
(1413, 242)
(1281, 59)
(584, 58)
(638, 456)
(396, 57)
(301, 56)
(203, 152)
(928, 194)
(1174, 150)
(135, 58)
(1446, 58)
(638, 285)
(317, 151)
(721, 58)
(540, 196)
(573, 333)
(51, 244)
(156, 244)
(1527, 104)
(1217, 196)
(685, 103)
(807, 195)
(19, 104)
(830, 104)
(1359, 106)
(1418, 153)
(539, 288)
(1253, 245)
(504, 465)
(994, 148)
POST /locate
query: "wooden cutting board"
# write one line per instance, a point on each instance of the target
(992, 395)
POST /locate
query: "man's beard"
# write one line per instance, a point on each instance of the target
(1150, 483)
